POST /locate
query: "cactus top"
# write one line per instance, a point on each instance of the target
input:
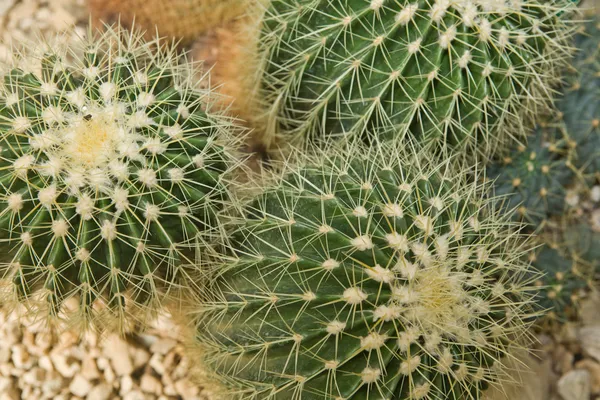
(453, 72)
(367, 274)
(110, 168)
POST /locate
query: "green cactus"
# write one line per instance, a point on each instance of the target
(580, 104)
(112, 170)
(568, 262)
(367, 274)
(532, 181)
(452, 73)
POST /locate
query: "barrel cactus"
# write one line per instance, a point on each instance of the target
(181, 20)
(455, 73)
(367, 273)
(532, 180)
(113, 170)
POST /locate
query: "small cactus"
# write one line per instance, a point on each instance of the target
(112, 171)
(182, 20)
(532, 180)
(455, 73)
(367, 273)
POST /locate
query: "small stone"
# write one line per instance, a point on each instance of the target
(575, 385)
(33, 377)
(594, 369)
(150, 384)
(126, 385)
(67, 367)
(102, 391)
(590, 340)
(157, 364)
(89, 370)
(116, 350)
(186, 389)
(80, 386)
(140, 358)
(163, 346)
(134, 395)
(21, 358)
(45, 363)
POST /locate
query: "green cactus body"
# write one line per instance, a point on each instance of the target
(568, 264)
(111, 173)
(580, 104)
(366, 275)
(456, 73)
(533, 180)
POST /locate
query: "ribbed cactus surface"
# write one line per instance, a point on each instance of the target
(111, 172)
(367, 273)
(532, 180)
(457, 73)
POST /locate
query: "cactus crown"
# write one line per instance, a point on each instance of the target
(367, 273)
(111, 169)
(456, 73)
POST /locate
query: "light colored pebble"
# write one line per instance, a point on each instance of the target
(150, 384)
(575, 385)
(102, 391)
(80, 386)
(116, 350)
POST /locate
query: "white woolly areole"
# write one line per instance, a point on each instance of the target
(21, 124)
(151, 212)
(330, 264)
(47, 196)
(354, 295)
(386, 313)
(85, 207)
(380, 274)
(174, 132)
(393, 210)
(397, 241)
(60, 228)
(108, 230)
(360, 212)
(376, 4)
(26, 238)
(145, 99)
(362, 243)
(447, 37)
(22, 165)
(83, 255)
(409, 366)
(147, 177)
(407, 14)
(155, 146)
(335, 327)
(373, 341)
(15, 202)
(108, 90)
(176, 175)
(370, 375)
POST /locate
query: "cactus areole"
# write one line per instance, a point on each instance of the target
(454, 72)
(365, 276)
(110, 170)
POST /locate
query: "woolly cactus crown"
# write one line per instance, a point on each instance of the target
(450, 72)
(111, 170)
(367, 273)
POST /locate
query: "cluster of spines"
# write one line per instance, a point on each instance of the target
(113, 172)
(366, 273)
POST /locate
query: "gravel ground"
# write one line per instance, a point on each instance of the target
(37, 365)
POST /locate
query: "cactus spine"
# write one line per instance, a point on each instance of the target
(456, 73)
(367, 273)
(112, 171)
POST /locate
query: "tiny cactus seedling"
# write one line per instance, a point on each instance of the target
(112, 170)
(453, 72)
(532, 180)
(182, 20)
(580, 104)
(367, 273)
